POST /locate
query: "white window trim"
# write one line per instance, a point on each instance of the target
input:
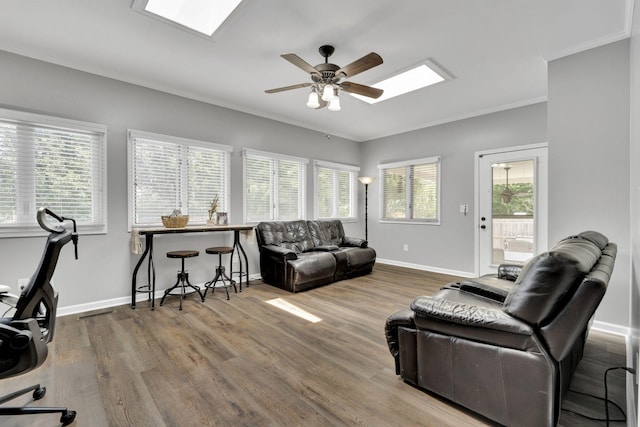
(381, 167)
(52, 121)
(133, 134)
(251, 152)
(354, 186)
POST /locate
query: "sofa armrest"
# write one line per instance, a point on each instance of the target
(488, 318)
(279, 252)
(354, 242)
(509, 271)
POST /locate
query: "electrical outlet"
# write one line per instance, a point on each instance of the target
(405, 247)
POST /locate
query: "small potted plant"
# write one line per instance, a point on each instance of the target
(213, 208)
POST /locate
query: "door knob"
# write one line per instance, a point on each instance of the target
(483, 226)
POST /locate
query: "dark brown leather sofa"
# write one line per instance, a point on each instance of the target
(506, 346)
(300, 255)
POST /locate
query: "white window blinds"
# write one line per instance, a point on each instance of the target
(168, 173)
(335, 190)
(274, 187)
(411, 190)
(51, 162)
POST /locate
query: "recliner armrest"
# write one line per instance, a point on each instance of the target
(354, 242)
(400, 318)
(469, 315)
(279, 252)
(509, 271)
(403, 318)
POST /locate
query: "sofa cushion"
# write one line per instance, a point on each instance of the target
(542, 287)
(292, 235)
(325, 233)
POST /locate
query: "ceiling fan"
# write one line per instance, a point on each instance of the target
(326, 78)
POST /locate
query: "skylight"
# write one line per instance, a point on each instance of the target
(416, 78)
(203, 16)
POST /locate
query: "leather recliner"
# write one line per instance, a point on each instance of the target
(300, 255)
(506, 346)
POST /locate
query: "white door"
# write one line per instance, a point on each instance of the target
(511, 217)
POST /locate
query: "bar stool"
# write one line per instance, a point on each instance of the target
(221, 276)
(183, 276)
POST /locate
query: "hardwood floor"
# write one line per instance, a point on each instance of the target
(246, 362)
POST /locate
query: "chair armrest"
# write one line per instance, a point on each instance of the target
(401, 318)
(509, 271)
(24, 347)
(354, 242)
(17, 334)
(469, 315)
(279, 252)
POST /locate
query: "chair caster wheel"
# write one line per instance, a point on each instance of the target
(67, 417)
(39, 393)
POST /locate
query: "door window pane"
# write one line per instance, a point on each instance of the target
(513, 211)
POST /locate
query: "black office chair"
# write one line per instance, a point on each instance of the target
(25, 335)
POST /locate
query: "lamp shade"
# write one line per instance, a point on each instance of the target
(366, 180)
(313, 101)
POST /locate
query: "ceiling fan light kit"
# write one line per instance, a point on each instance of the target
(327, 79)
(327, 93)
(313, 101)
(334, 104)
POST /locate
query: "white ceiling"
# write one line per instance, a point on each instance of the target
(497, 50)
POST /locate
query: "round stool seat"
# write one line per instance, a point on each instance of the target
(219, 250)
(182, 254)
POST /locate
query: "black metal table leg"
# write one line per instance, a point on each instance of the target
(151, 274)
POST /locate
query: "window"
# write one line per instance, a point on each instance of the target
(168, 173)
(411, 191)
(274, 187)
(336, 191)
(51, 162)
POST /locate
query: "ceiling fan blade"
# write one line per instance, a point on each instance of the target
(358, 89)
(358, 66)
(282, 89)
(300, 63)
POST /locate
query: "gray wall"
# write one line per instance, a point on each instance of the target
(588, 119)
(104, 269)
(450, 245)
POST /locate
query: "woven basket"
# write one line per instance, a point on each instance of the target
(175, 221)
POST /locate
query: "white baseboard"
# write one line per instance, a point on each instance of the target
(611, 328)
(426, 268)
(141, 299)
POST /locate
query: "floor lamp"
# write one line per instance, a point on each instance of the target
(366, 180)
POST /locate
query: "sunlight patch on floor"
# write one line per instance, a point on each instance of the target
(292, 309)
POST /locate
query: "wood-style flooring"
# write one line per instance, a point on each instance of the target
(244, 362)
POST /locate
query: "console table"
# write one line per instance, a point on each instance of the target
(149, 233)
